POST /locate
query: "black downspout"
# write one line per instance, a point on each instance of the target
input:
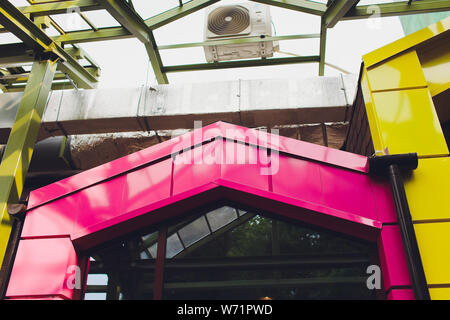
(392, 166)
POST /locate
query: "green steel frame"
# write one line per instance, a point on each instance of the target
(19, 149)
(132, 25)
(57, 60)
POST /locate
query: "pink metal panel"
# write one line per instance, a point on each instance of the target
(348, 191)
(401, 294)
(296, 147)
(196, 167)
(123, 164)
(392, 257)
(99, 203)
(44, 267)
(148, 185)
(145, 216)
(312, 191)
(299, 179)
(53, 219)
(384, 201)
(301, 210)
(164, 149)
(245, 165)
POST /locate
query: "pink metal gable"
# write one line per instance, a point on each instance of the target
(321, 186)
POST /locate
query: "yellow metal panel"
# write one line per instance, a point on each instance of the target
(436, 65)
(434, 245)
(406, 43)
(5, 233)
(440, 293)
(371, 114)
(428, 188)
(401, 72)
(408, 122)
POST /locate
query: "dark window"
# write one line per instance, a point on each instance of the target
(229, 253)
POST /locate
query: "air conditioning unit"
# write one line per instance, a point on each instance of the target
(238, 21)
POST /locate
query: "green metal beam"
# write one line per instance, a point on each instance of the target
(359, 12)
(22, 27)
(397, 9)
(35, 38)
(239, 41)
(177, 13)
(305, 6)
(336, 11)
(127, 17)
(47, 9)
(101, 34)
(241, 64)
(131, 21)
(15, 53)
(80, 75)
(22, 78)
(64, 85)
(19, 149)
(78, 54)
(323, 47)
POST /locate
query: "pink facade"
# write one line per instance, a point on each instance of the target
(321, 186)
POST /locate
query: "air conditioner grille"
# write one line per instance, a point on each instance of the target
(228, 20)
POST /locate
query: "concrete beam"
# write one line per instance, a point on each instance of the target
(250, 103)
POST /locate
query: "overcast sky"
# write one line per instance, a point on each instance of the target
(124, 63)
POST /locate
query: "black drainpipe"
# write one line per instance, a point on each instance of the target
(393, 165)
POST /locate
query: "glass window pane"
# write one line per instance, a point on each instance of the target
(101, 19)
(221, 217)
(241, 212)
(70, 21)
(194, 231)
(97, 279)
(144, 255)
(150, 241)
(150, 235)
(153, 249)
(95, 296)
(245, 263)
(173, 246)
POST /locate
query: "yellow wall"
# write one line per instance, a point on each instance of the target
(399, 82)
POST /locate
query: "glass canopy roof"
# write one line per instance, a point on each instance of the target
(128, 39)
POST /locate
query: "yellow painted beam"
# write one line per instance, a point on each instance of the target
(435, 60)
(398, 83)
(400, 72)
(406, 43)
(408, 123)
(400, 109)
(19, 149)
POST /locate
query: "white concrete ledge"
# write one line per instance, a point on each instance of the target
(250, 103)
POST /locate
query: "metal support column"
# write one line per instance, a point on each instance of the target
(323, 45)
(19, 149)
(160, 261)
